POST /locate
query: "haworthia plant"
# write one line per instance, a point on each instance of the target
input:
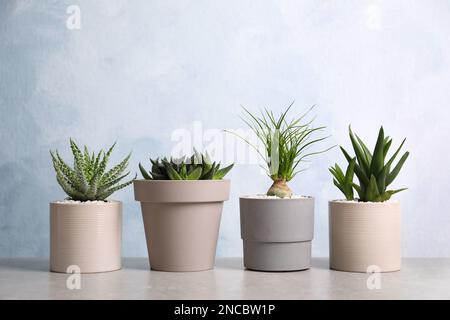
(88, 179)
(374, 173)
(196, 167)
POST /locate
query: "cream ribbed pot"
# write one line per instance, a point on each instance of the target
(86, 236)
(364, 234)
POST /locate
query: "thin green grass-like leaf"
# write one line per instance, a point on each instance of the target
(284, 140)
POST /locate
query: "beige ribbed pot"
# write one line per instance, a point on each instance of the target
(87, 235)
(364, 234)
(181, 221)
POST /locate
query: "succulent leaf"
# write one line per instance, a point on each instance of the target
(144, 172)
(195, 167)
(366, 165)
(87, 179)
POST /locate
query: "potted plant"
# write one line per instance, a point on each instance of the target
(181, 201)
(85, 228)
(365, 230)
(277, 228)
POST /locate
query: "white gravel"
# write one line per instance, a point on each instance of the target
(79, 202)
(356, 201)
(264, 196)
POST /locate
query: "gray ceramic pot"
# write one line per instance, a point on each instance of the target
(277, 233)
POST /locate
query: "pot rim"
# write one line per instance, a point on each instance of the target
(252, 197)
(361, 203)
(85, 203)
(180, 181)
(181, 191)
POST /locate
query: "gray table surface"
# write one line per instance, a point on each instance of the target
(420, 278)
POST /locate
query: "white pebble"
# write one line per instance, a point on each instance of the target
(264, 196)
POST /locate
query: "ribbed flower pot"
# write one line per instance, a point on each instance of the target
(277, 233)
(181, 221)
(85, 235)
(364, 234)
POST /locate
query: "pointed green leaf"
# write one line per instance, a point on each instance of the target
(387, 145)
(363, 178)
(372, 192)
(144, 172)
(339, 186)
(358, 190)
(387, 195)
(195, 174)
(391, 160)
(350, 172)
(105, 194)
(222, 172)
(378, 157)
(366, 150)
(172, 173)
(358, 152)
(393, 174)
(183, 171)
(116, 170)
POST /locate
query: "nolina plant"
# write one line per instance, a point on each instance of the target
(196, 167)
(373, 172)
(286, 144)
(88, 179)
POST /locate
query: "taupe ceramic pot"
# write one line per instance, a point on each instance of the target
(86, 235)
(181, 221)
(277, 233)
(364, 234)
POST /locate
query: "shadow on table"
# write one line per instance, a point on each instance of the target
(237, 264)
(136, 263)
(143, 264)
(320, 263)
(230, 263)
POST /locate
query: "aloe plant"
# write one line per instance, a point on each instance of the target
(89, 180)
(286, 144)
(374, 173)
(196, 167)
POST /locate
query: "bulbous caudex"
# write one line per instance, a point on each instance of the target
(280, 189)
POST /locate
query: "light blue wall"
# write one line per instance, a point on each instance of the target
(137, 70)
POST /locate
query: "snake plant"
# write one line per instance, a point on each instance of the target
(374, 170)
(89, 180)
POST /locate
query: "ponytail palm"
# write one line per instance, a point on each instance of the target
(286, 145)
